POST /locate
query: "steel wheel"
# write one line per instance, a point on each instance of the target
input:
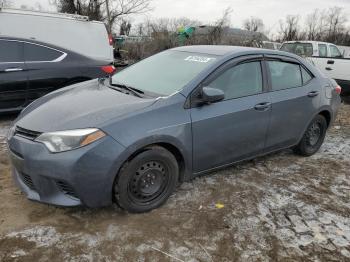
(313, 134)
(148, 182)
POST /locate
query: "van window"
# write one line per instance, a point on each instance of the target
(11, 51)
(284, 75)
(239, 81)
(322, 50)
(334, 51)
(37, 53)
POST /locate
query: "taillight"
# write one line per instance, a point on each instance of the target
(109, 69)
(338, 89)
(110, 39)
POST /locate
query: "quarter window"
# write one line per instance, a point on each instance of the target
(239, 81)
(322, 50)
(11, 51)
(284, 75)
(306, 75)
(37, 53)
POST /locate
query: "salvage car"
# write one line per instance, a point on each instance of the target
(132, 138)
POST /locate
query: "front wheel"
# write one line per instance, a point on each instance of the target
(313, 137)
(147, 181)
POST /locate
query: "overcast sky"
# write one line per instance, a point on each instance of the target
(271, 11)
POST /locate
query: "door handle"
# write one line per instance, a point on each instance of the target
(329, 69)
(13, 69)
(262, 106)
(330, 62)
(313, 94)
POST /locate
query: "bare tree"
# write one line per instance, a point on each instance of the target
(122, 8)
(125, 27)
(312, 24)
(290, 29)
(336, 20)
(216, 34)
(253, 24)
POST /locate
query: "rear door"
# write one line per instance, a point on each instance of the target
(45, 70)
(13, 76)
(322, 61)
(295, 96)
(235, 128)
(338, 64)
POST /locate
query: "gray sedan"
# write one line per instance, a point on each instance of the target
(181, 113)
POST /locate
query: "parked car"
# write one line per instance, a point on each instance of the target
(327, 58)
(68, 31)
(184, 112)
(30, 69)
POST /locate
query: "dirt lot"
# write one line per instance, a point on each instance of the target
(279, 207)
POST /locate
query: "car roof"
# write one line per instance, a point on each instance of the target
(307, 42)
(225, 50)
(219, 50)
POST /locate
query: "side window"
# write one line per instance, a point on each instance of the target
(37, 53)
(11, 51)
(306, 75)
(334, 51)
(241, 80)
(284, 75)
(322, 50)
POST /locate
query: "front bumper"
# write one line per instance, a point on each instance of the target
(83, 176)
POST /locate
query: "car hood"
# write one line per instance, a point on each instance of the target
(87, 104)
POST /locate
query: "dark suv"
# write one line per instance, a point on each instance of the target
(30, 69)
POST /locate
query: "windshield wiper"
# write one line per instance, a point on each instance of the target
(133, 90)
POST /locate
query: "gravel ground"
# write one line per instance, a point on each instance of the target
(280, 207)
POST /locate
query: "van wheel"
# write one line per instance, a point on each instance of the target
(313, 137)
(147, 181)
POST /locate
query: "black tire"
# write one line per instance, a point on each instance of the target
(313, 137)
(146, 182)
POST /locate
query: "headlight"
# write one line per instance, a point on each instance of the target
(67, 140)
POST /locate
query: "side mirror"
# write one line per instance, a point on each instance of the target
(212, 95)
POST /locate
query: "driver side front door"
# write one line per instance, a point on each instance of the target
(235, 128)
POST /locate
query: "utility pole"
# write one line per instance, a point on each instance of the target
(108, 17)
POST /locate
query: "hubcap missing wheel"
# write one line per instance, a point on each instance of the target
(148, 182)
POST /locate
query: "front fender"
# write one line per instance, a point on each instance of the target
(161, 140)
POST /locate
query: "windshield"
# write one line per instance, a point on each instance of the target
(164, 73)
(301, 49)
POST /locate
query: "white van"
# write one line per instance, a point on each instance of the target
(72, 32)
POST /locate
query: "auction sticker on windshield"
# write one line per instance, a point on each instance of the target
(199, 59)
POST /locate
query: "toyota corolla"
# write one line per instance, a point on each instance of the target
(133, 138)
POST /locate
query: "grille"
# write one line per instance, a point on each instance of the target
(27, 180)
(66, 189)
(28, 134)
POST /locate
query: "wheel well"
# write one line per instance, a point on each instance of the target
(172, 149)
(327, 115)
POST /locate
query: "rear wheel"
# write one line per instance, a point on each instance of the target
(313, 137)
(147, 181)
